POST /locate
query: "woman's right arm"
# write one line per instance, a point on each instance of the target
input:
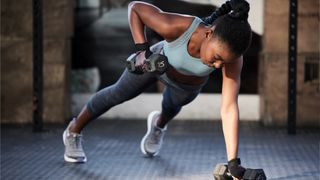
(168, 25)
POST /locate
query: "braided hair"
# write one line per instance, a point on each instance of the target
(222, 10)
(231, 25)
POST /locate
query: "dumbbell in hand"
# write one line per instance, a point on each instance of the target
(155, 63)
(145, 61)
(221, 172)
(131, 64)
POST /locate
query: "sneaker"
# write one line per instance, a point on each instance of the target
(73, 147)
(152, 140)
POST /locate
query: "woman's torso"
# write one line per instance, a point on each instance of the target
(183, 67)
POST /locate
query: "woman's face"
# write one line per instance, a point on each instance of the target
(215, 53)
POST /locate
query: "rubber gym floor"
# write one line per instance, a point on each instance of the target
(190, 151)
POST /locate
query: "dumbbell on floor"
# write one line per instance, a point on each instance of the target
(220, 172)
(156, 63)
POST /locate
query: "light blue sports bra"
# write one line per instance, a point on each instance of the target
(179, 57)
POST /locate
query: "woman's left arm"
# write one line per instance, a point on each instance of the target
(231, 74)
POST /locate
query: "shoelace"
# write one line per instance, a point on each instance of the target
(77, 140)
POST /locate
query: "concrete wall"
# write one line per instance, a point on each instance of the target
(17, 60)
(205, 107)
(89, 3)
(273, 65)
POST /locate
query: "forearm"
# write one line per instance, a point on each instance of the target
(137, 27)
(230, 122)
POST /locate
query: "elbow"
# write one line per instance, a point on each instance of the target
(132, 5)
(132, 10)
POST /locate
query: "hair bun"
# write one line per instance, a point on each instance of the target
(239, 15)
(240, 9)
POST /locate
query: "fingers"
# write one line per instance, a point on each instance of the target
(140, 59)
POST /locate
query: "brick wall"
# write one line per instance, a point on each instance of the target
(17, 60)
(273, 65)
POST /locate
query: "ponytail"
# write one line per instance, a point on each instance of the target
(233, 28)
(239, 8)
(224, 9)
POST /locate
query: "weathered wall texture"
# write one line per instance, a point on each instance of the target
(17, 60)
(273, 67)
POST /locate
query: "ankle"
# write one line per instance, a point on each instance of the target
(72, 127)
(161, 126)
(160, 122)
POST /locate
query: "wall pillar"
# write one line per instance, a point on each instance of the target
(17, 59)
(273, 65)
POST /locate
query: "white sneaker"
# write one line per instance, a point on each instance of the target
(152, 141)
(73, 147)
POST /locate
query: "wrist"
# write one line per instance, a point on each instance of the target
(235, 168)
(234, 162)
(140, 47)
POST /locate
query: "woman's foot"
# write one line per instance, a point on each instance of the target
(152, 141)
(73, 146)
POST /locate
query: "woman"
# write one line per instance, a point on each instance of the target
(194, 49)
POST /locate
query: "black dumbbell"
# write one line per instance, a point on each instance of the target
(254, 174)
(157, 63)
(221, 172)
(131, 64)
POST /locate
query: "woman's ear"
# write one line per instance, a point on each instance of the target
(209, 33)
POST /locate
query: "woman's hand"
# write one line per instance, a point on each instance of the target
(140, 61)
(235, 169)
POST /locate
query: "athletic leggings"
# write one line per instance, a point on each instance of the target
(129, 85)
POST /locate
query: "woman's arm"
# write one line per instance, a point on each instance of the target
(168, 25)
(229, 108)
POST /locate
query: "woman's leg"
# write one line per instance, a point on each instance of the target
(127, 87)
(173, 100)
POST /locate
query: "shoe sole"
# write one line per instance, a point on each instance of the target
(149, 124)
(68, 159)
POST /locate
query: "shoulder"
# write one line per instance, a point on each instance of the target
(178, 25)
(233, 70)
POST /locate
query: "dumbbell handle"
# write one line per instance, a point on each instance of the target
(130, 63)
(155, 63)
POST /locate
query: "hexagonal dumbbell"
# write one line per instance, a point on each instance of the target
(156, 63)
(221, 172)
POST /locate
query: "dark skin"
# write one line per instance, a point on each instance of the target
(211, 50)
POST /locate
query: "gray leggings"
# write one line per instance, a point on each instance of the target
(130, 85)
